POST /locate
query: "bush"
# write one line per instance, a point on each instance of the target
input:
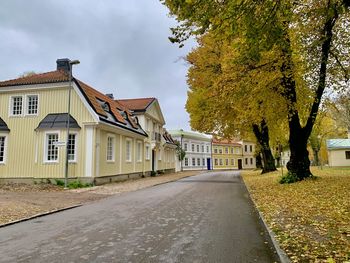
(289, 178)
(78, 184)
(59, 182)
(153, 173)
(73, 185)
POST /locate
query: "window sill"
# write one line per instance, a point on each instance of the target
(110, 161)
(51, 162)
(128, 161)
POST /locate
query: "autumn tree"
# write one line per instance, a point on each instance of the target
(311, 35)
(220, 90)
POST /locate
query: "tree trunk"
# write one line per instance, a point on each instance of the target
(261, 133)
(299, 162)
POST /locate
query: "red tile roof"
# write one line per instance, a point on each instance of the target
(48, 77)
(91, 94)
(139, 104)
(226, 142)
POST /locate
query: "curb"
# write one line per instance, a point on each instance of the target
(40, 215)
(281, 254)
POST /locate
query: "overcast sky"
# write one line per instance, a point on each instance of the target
(122, 46)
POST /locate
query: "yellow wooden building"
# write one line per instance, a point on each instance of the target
(229, 154)
(106, 140)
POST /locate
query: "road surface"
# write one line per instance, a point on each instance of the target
(203, 218)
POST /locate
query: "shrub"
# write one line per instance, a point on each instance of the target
(289, 178)
(153, 173)
(59, 182)
(78, 184)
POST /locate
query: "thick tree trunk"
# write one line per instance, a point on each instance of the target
(299, 162)
(261, 133)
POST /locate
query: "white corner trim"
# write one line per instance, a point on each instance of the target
(89, 145)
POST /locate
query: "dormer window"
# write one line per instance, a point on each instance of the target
(105, 107)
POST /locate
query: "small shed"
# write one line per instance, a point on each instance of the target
(338, 151)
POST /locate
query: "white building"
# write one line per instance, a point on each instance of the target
(198, 150)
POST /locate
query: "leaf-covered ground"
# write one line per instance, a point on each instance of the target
(311, 219)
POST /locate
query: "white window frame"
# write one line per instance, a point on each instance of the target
(46, 160)
(128, 154)
(160, 155)
(147, 152)
(139, 151)
(193, 161)
(110, 159)
(198, 161)
(11, 106)
(202, 148)
(207, 148)
(75, 147)
(5, 148)
(185, 147)
(27, 105)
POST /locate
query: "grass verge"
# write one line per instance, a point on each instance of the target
(311, 219)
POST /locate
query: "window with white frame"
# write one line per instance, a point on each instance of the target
(207, 148)
(220, 161)
(251, 161)
(198, 161)
(51, 154)
(226, 161)
(2, 148)
(226, 150)
(203, 162)
(215, 150)
(232, 150)
(251, 148)
(202, 148)
(237, 150)
(192, 147)
(72, 147)
(110, 148)
(197, 148)
(128, 150)
(32, 104)
(185, 147)
(16, 105)
(186, 161)
(216, 161)
(193, 161)
(147, 152)
(139, 152)
(232, 161)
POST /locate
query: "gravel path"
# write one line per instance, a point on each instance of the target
(19, 201)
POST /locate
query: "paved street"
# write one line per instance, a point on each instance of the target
(204, 218)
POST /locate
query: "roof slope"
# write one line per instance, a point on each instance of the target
(107, 109)
(334, 144)
(195, 135)
(48, 77)
(139, 104)
(224, 141)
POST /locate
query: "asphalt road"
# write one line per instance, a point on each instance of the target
(204, 218)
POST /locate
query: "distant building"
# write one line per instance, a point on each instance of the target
(338, 151)
(197, 147)
(229, 154)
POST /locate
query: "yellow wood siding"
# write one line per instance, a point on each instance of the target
(25, 152)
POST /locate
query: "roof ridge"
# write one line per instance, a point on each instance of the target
(139, 98)
(35, 74)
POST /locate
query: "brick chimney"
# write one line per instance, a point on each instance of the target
(63, 64)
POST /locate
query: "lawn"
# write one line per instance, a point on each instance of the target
(311, 219)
